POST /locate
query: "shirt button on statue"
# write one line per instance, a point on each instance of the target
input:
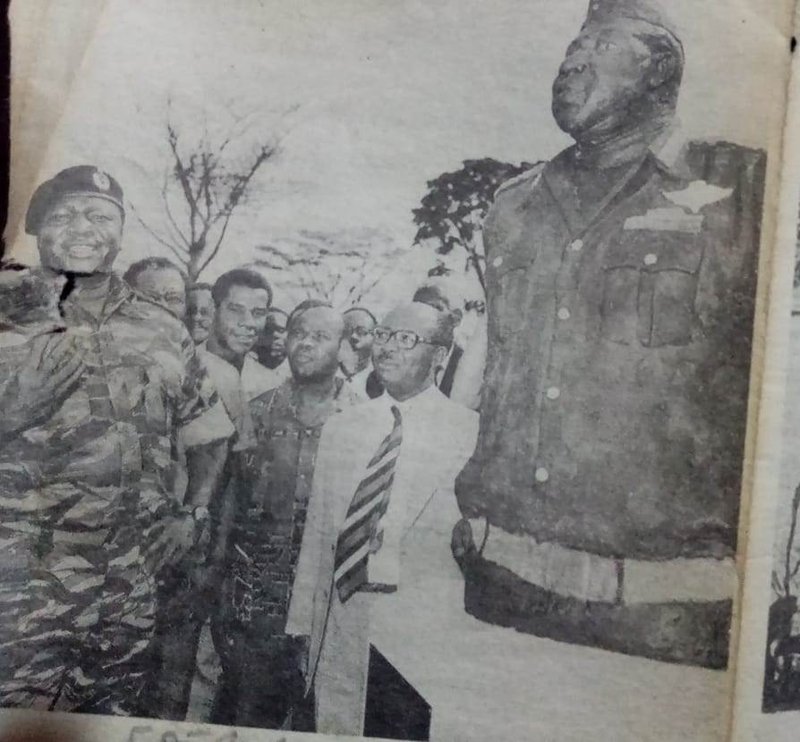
(498, 261)
(650, 259)
(563, 313)
(541, 475)
(576, 245)
(553, 393)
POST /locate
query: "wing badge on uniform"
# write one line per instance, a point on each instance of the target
(697, 194)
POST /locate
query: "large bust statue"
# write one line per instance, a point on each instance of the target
(607, 474)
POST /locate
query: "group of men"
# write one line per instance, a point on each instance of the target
(153, 479)
(163, 476)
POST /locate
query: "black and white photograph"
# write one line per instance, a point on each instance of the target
(383, 369)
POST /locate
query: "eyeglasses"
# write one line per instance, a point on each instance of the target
(360, 332)
(406, 339)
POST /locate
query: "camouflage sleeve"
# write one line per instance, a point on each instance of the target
(200, 413)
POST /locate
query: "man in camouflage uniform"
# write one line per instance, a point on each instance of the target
(88, 422)
(620, 306)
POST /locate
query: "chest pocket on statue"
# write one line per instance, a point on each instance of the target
(508, 277)
(650, 286)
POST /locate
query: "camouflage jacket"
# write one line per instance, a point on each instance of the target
(117, 430)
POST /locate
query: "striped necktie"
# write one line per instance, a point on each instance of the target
(362, 530)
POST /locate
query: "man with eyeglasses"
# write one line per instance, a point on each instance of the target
(375, 565)
(355, 364)
(199, 312)
(160, 280)
(262, 682)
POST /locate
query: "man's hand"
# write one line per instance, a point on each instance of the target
(176, 539)
(462, 544)
(48, 375)
(303, 649)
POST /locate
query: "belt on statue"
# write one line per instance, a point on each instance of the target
(591, 577)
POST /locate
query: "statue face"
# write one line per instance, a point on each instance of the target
(604, 74)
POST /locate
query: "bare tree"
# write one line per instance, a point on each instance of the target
(201, 190)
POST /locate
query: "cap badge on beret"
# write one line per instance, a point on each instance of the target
(78, 180)
(101, 180)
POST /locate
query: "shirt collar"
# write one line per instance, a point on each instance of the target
(430, 395)
(118, 293)
(669, 147)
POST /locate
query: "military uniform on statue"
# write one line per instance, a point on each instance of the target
(619, 276)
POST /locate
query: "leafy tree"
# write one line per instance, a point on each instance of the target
(452, 211)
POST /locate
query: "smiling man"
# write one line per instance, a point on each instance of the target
(93, 415)
(620, 305)
(241, 300)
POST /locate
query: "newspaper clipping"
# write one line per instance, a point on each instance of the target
(384, 368)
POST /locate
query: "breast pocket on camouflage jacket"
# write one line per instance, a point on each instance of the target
(650, 284)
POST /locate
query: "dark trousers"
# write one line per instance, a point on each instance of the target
(180, 616)
(262, 683)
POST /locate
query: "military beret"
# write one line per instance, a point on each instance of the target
(81, 180)
(650, 11)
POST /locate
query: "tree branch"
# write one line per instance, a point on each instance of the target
(170, 216)
(215, 250)
(176, 251)
(182, 175)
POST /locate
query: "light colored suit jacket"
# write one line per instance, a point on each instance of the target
(438, 438)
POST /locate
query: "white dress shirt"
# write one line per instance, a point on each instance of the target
(438, 438)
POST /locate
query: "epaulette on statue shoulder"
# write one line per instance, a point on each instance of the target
(528, 177)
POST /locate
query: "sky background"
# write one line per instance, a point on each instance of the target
(368, 100)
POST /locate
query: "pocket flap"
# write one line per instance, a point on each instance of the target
(502, 264)
(654, 251)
